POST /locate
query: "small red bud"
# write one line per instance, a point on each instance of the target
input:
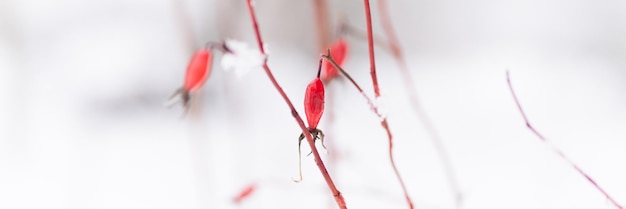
(338, 51)
(314, 102)
(245, 193)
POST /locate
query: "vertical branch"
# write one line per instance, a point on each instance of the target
(396, 51)
(321, 20)
(370, 45)
(556, 150)
(385, 18)
(384, 123)
(318, 160)
(185, 23)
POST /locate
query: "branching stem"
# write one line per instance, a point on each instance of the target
(318, 160)
(384, 123)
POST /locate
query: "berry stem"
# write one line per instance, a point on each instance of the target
(318, 160)
(555, 149)
(384, 123)
(396, 51)
(319, 68)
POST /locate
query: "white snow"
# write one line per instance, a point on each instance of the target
(83, 82)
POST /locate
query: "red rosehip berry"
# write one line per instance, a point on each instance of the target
(313, 109)
(314, 102)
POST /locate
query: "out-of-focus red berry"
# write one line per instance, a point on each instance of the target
(198, 70)
(245, 193)
(338, 51)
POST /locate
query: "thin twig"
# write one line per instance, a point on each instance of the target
(318, 160)
(384, 123)
(555, 149)
(396, 51)
(370, 102)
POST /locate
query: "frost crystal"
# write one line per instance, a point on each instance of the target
(240, 58)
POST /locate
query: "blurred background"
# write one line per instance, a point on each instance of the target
(83, 122)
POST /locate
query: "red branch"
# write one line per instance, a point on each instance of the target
(555, 149)
(370, 44)
(396, 51)
(384, 123)
(318, 160)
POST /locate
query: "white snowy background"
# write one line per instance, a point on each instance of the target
(83, 83)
